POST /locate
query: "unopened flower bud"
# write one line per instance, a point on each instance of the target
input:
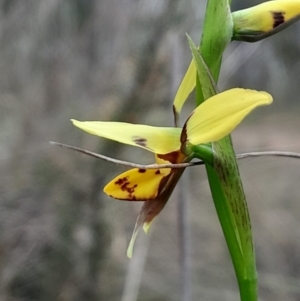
(263, 20)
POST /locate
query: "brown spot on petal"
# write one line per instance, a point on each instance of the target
(129, 189)
(121, 181)
(157, 172)
(125, 186)
(176, 117)
(278, 18)
(171, 157)
(184, 136)
(141, 170)
(140, 141)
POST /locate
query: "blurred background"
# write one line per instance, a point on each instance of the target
(61, 238)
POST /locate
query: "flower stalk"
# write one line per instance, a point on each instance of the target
(224, 179)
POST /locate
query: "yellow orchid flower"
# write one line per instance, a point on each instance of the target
(211, 121)
(263, 20)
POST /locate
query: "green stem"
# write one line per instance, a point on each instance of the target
(231, 206)
(248, 289)
(223, 212)
(225, 182)
(203, 152)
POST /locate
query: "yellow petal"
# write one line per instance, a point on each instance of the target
(160, 160)
(137, 184)
(159, 140)
(260, 21)
(186, 87)
(220, 114)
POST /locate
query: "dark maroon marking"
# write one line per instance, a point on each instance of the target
(176, 117)
(157, 172)
(124, 186)
(141, 170)
(140, 141)
(129, 190)
(121, 181)
(278, 18)
(171, 157)
(183, 136)
(162, 184)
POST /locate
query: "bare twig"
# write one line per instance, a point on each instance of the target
(292, 155)
(269, 154)
(126, 163)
